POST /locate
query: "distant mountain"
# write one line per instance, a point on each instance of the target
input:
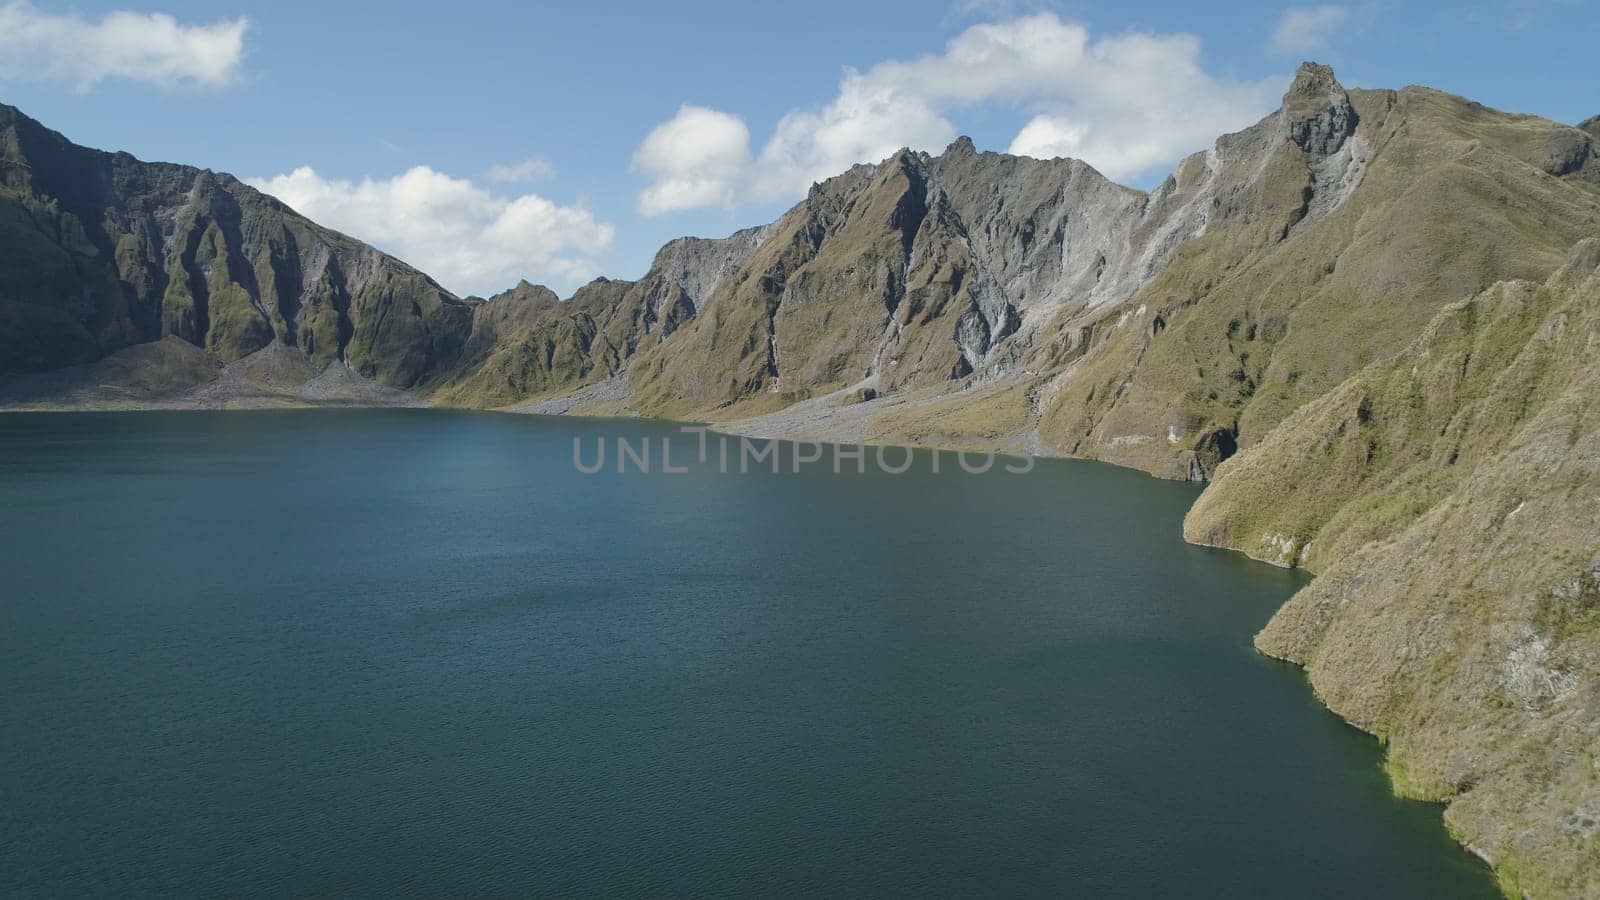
(1372, 320)
(104, 252)
(526, 344)
(119, 270)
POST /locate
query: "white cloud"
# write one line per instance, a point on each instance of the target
(697, 158)
(470, 239)
(1141, 102)
(871, 118)
(152, 47)
(1126, 104)
(1307, 29)
(530, 169)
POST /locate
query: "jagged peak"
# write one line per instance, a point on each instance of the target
(1317, 114)
(961, 146)
(852, 175)
(1313, 79)
(526, 291)
(1591, 125)
(905, 157)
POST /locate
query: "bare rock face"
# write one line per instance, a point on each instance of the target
(1566, 151)
(917, 272)
(1317, 115)
(686, 273)
(1050, 233)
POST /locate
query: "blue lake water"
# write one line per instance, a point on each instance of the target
(417, 652)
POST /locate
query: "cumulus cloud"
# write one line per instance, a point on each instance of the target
(1126, 104)
(151, 47)
(872, 117)
(472, 240)
(698, 158)
(530, 169)
(1145, 102)
(1304, 30)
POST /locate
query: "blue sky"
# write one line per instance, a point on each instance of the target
(560, 142)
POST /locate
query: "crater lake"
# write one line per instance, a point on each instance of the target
(421, 652)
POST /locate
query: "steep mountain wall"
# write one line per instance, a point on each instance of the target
(104, 252)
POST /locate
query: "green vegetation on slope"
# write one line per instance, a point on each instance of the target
(1255, 324)
(1450, 497)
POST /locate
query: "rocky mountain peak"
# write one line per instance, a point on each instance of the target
(904, 160)
(1317, 115)
(11, 118)
(527, 292)
(961, 146)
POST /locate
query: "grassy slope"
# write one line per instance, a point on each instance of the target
(529, 344)
(1451, 498)
(134, 377)
(1452, 201)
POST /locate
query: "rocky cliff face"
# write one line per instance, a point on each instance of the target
(913, 274)
(105, 252)
(1370, 318)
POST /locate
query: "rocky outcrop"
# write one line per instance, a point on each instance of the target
(1047, 233)
(1566, 151)
(1317, 115)
(686, 273)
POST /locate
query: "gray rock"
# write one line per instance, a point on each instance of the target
(1566, 151)
(686, 273)
(1317, 115)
